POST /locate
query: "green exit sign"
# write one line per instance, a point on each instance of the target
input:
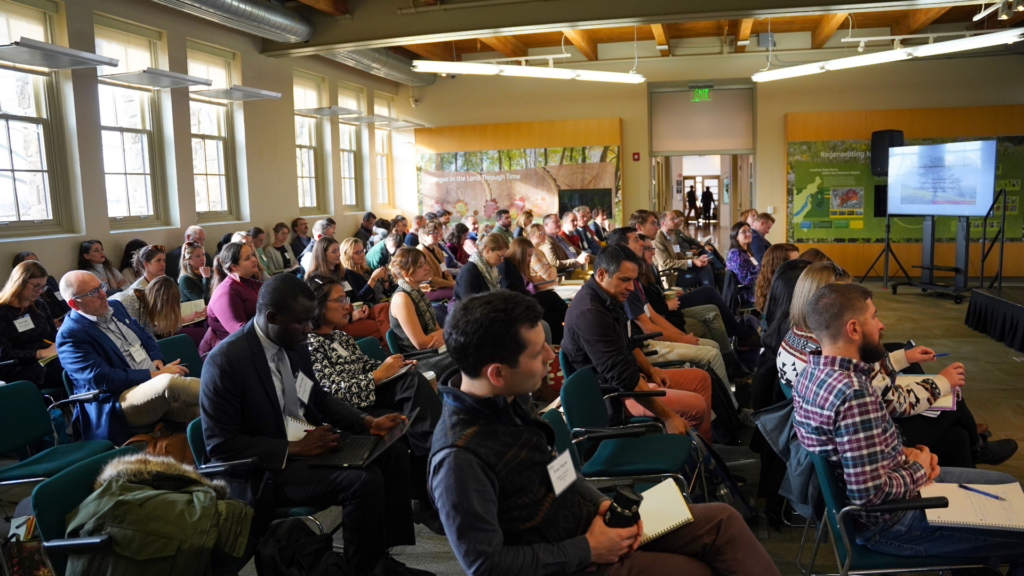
(702, 95)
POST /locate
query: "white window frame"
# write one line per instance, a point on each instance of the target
(153, 133)
(352, 199)
(226, 140)
(316, 151)
(54, 148)
(382, 162)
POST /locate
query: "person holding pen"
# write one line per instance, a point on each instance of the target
(27, 330)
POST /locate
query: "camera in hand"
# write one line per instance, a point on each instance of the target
(625, 508)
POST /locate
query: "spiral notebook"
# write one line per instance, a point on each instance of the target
(663, 510)
(973, 510)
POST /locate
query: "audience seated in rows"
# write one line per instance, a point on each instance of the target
(442, 283)
(473, 224)
(372, 287)
(481, 273)
(570, 241)
(748, 216)
(367, 322)
(381, 229)
(688, 243)
(770, 262)
(51, 296)
(233, 293)
(691, 272)
(597, 334)
(590, 243)
(503, 519)
(412, 236)
(412, 317)
(557, 251)
(92, 259)
(523, 222)
(192, 234)
(380, 255)
(455, 242)
(301, 239)
(741, 262)
(365, 229)
(599, 224)
(127, 266)
(157, 308)
(814, 255)
(279, 255)
(262, 375)
(758, 235)
(194, 278)
(503, 224)
(149, 263)
(543, 274)
(257, 238)
(103, 348)
(952, 436)
(246, 237)
(516, 275)
(27, 329)
(321, 229)
(837, 415)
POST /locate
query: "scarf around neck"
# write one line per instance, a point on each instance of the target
(423, 310)
(489, 272)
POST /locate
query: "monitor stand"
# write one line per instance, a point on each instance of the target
(928, 266)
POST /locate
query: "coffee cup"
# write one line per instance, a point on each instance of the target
(670, 294)
(431, 377)
(357, 306)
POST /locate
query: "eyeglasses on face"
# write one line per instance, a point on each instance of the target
(39, 287)
(94, 293)
(340, 300)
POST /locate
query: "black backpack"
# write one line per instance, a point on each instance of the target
(292, 548)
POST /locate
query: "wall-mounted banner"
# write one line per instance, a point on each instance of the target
(542, 180)
(831, 194)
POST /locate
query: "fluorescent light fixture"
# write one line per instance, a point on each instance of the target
(238, 93)
(988, 10)
(867, 59)
(331, 111)
(539, 72)
(29, 52)
(598, 76)
(441, 67)
(374, 119)
(404, 125)
(743, 43)
(157, 78)
(973, 43)
(791, 72)
(1018, 5)
(1004, 11)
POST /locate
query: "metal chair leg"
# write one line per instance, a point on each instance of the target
(819, 538)
(319, 526)
(800, 550)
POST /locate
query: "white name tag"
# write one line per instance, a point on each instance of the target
(753, 261)
(24, 323)
(303, 385)
(346, 286)
(676, 248)
(444, 267)
(562, 473)
(139, 353)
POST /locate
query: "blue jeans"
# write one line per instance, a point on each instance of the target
(911, 535)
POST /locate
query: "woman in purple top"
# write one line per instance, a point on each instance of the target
(234, 293)
(741, 262)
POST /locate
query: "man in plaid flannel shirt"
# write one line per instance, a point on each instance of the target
(838, 415)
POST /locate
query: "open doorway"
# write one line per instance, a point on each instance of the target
(711, 190)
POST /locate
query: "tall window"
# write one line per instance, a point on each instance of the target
(348, 145)
(127, 119)
(382, 104)
(212, 168)
(27, 104)
(308, 157)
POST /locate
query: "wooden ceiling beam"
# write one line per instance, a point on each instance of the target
(661, 36)
(583, 42)
(917, 20)
(825, 28)
(743, 33)
(434, 51)
(507, 45)
(332, 7)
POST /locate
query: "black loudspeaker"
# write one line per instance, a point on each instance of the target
(881, 200)
(881, 141)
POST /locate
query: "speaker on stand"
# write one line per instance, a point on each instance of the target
(881, 141)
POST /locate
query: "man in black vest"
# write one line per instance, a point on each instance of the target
(489, 470)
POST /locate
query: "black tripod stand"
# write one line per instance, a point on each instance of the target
(886, 252)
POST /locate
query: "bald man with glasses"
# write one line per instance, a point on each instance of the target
(104, 349)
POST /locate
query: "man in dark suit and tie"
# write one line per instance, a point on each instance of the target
(262, 375)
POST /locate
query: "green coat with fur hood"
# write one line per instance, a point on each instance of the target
(163, 517)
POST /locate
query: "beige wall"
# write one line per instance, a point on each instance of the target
(269, 153)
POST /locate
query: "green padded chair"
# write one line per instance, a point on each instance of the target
(392, 341)
(197, 442)
(24, 419)
(57, 497)
(69, 387)
(586, 413)
(182, 347)
(372, 348)
(853, 558)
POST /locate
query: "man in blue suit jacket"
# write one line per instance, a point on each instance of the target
(103, 348)
(758, 243)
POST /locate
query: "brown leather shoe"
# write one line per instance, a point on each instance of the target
(982, 428)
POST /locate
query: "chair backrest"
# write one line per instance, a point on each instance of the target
(563, 439)
(567, 368)
(69, 386)
(23, 416)
(392, 341)
(834, 495)
(197, 441)
(787, 391)
(55, 498)
(583, 403)
(372, 348)
(182, 347)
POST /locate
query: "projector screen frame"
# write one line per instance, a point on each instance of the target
(985, 194)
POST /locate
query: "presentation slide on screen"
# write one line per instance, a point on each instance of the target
(955, 179)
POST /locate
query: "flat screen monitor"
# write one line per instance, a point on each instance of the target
(955, 179)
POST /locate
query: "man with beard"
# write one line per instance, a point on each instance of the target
(839, 416)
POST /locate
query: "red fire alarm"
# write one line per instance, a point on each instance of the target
(636, 156)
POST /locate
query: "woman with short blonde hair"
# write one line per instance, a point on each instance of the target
(523, 222)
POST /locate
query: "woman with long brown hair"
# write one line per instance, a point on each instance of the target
(773, 258)
(27, 330)
(516, 273)
(412, 316)
(234, 293)
(158, 309)
(93, 259)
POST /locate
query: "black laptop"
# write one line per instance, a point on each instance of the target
(356, 451)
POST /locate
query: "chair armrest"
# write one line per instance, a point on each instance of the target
(419, 353)
(650, 353)
(644, 337)
(80, 545)
(227, 467)
(909, 504)
(91, 396)
(594, 434)
(636, 394)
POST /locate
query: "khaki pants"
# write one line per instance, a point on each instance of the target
(706, 355)
(706, 322)
(167, 395)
